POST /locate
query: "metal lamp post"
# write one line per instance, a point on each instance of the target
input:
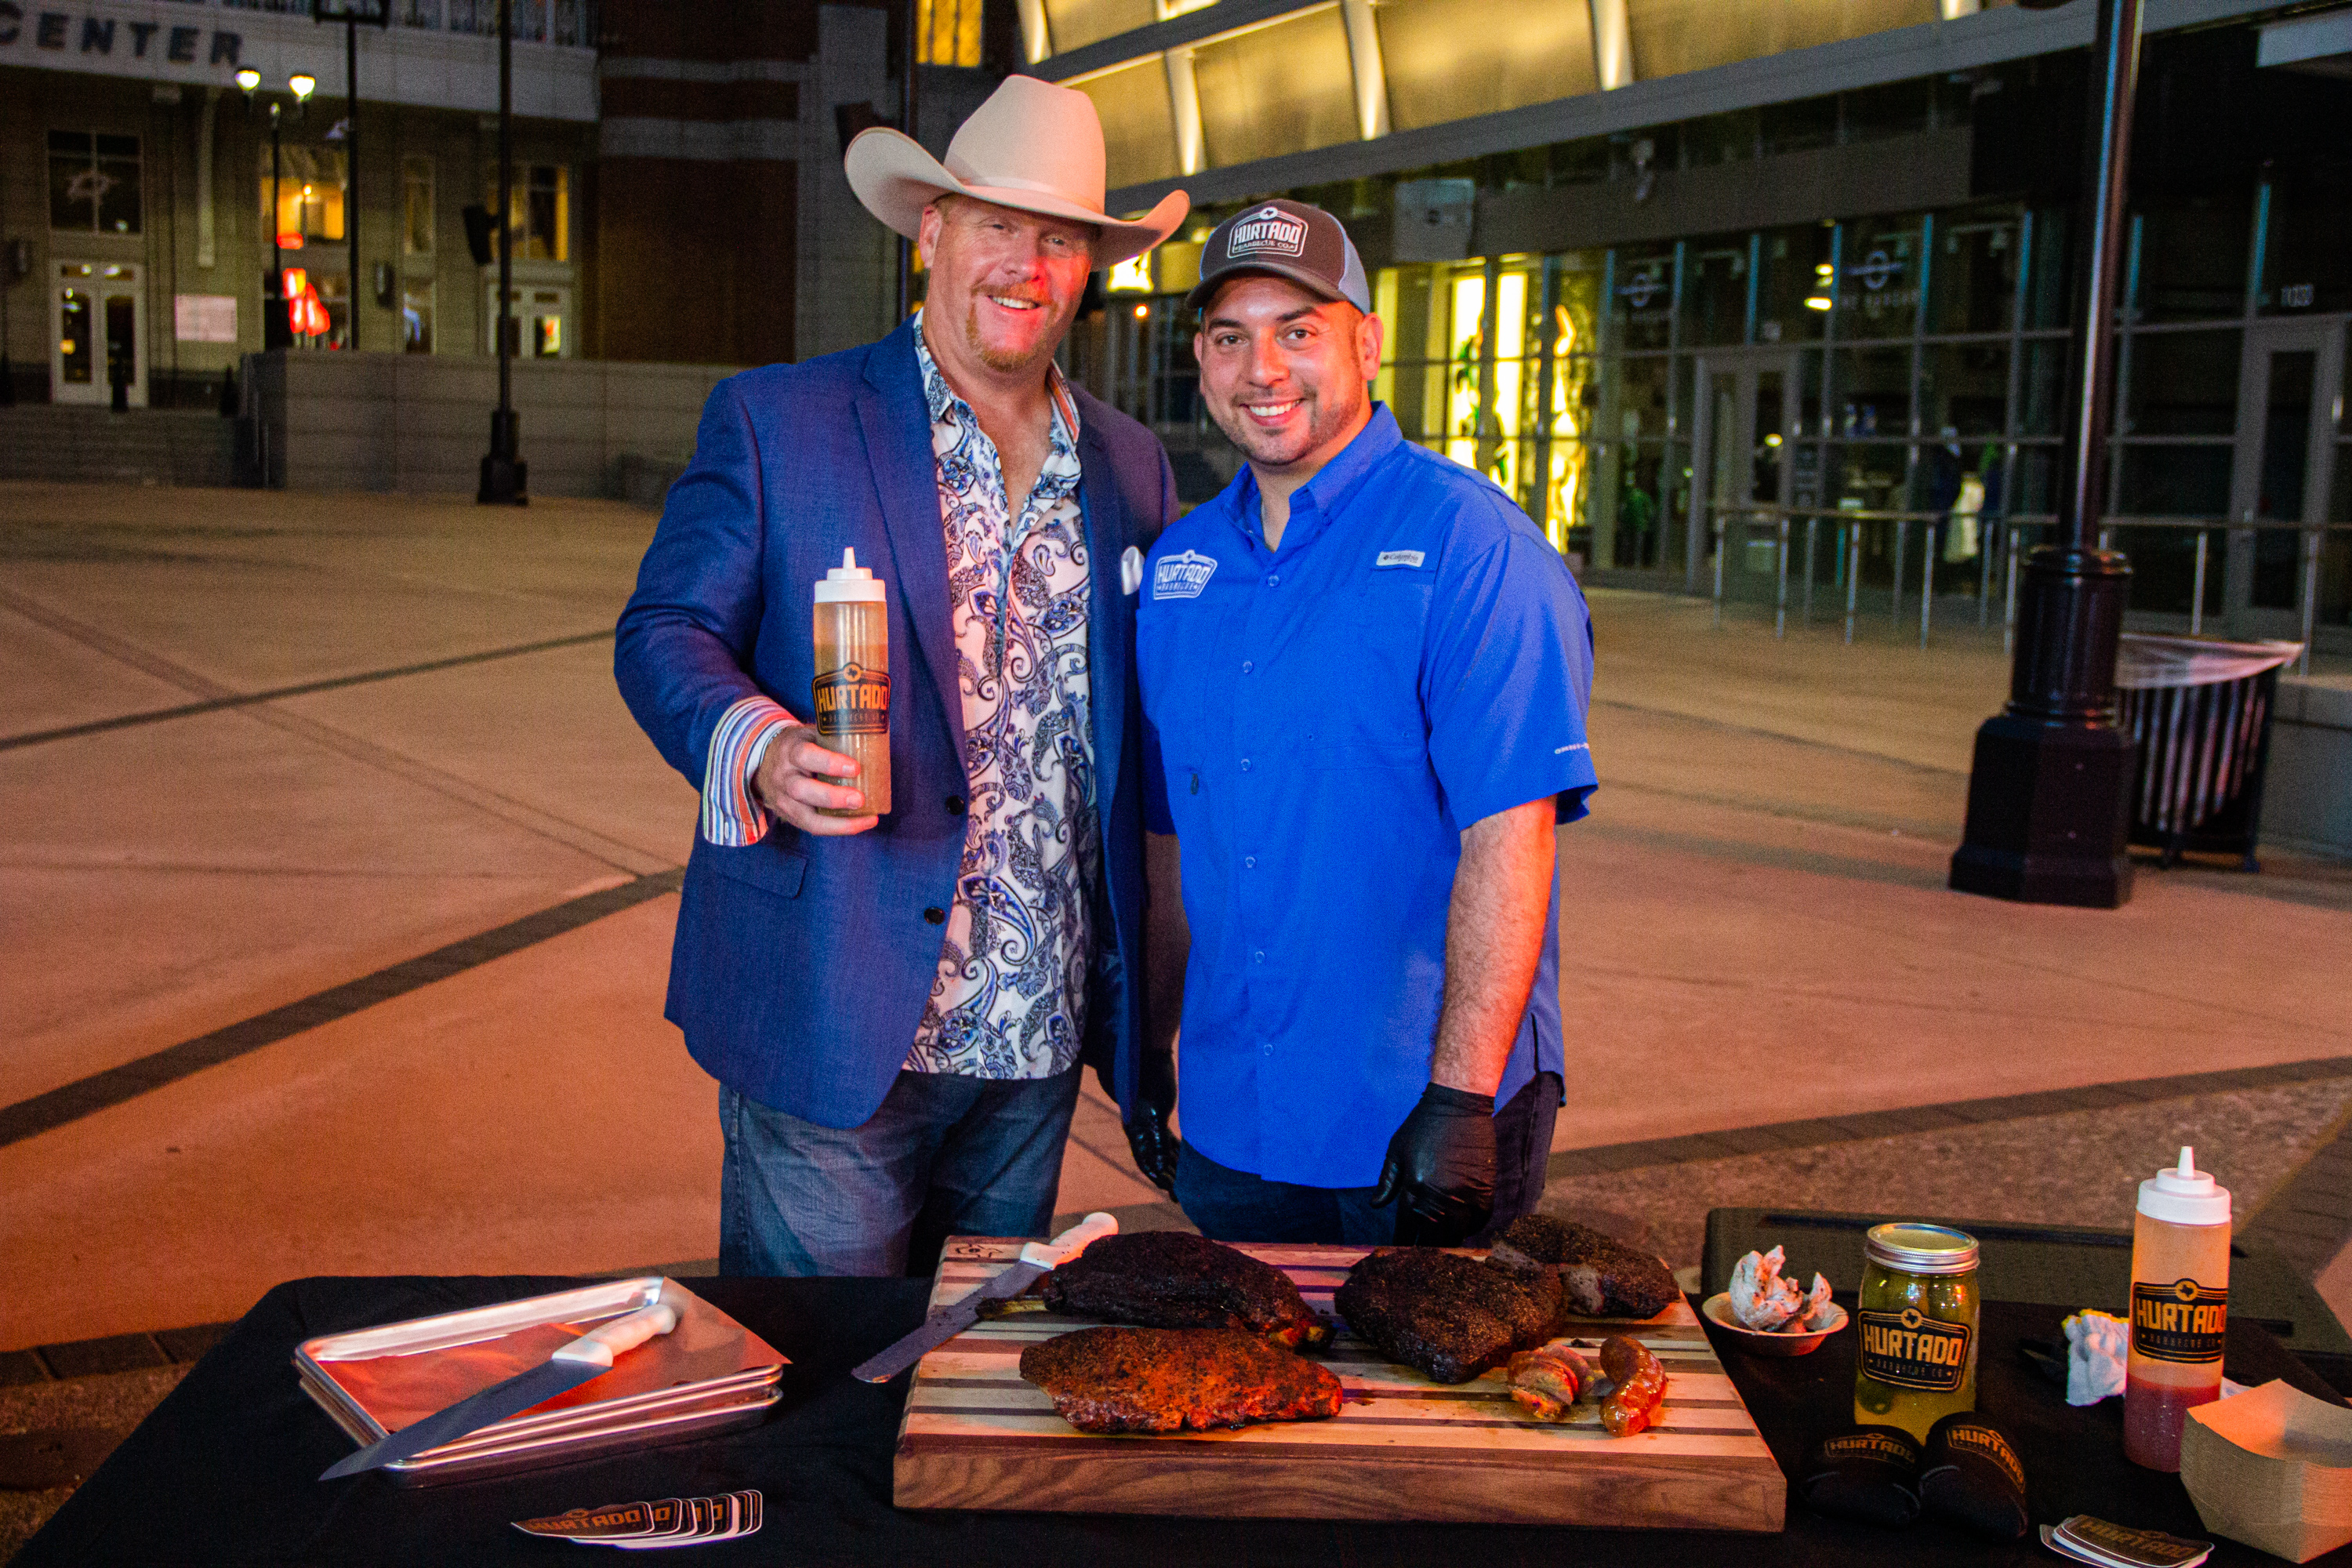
(505, 475)
(276, 327)
(350, 13)
(2049, 796)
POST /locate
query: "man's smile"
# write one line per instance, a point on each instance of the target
(1272, 413)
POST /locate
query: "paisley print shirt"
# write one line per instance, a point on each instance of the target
(1008, 1001)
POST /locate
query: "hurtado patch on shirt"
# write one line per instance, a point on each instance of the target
(1182, 576)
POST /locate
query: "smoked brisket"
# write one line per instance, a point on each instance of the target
(1602, 1277)
(1166, 1380)
(1173, 1279)
(1452, 1316)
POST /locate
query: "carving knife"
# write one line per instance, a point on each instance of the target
(1038, 1259)
(589, 1356)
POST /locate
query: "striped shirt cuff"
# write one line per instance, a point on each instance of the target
(731, 816)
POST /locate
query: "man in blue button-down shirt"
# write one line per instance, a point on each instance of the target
(1365, 676)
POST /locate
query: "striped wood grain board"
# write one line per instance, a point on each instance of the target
(975, 1435)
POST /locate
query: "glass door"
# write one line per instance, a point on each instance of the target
(97, 329)
(1742, 445)
(2288, 415)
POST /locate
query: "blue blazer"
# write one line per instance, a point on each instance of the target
(801, 965)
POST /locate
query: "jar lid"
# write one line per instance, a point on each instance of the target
(1921, 1249)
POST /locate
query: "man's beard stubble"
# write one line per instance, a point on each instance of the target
(1001, 361)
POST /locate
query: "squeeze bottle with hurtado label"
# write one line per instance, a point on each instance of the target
(2179, 1307)
(852, 689)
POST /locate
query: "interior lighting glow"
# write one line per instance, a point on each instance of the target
(303, 85)
(1822, 270)
(1142, 313)
(247, 80)
(1132, 276)
(1772, 440)
(1818, 302)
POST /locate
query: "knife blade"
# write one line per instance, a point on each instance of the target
(589, 1356)
(1038, 1260)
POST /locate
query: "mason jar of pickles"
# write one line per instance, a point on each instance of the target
(1916, 1359)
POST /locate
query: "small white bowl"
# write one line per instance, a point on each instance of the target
(1717, 1308)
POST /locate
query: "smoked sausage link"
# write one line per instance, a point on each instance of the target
(1640, 1385)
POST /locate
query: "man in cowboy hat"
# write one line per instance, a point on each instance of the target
(896, 1006)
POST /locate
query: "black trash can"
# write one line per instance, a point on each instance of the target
(2200, 709)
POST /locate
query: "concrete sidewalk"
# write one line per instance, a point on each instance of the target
(223, 1066)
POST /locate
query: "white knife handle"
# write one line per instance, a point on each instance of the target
(598, 1346)
(1053, 1254)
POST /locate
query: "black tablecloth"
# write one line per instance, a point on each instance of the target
(224, 1471)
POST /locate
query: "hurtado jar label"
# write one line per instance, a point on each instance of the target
(1910, 1350)
(2181, 1322)
(854, 700)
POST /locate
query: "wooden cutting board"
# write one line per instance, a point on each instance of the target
(975, 1435)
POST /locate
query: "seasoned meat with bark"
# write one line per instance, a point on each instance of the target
(1602, 1276)
(1452, 1316)
(1173, 1279)
(1165, 1380)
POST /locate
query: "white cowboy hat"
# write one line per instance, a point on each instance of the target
(1032, 146)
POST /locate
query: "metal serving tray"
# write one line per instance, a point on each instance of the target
(709, 1374)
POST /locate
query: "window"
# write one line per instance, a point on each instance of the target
(417, 318)
(416, 207)
(1138, 123)
(308, 191)
(540, 214)
(93, 182)
(948, 31)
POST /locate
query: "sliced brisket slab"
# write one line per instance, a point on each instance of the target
(1602, 1276)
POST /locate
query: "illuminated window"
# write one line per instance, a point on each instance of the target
(541, 211)
(417, 317)
(308, 190)
(93, 182)
(1132, 276)
(948, 31)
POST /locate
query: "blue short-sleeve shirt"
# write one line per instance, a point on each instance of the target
(1321, 722)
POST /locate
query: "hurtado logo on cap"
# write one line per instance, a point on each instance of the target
(1270, 231)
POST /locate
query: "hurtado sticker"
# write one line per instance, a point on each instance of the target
(853, 701)
(1911, 1350)
(1182, 576)
(2180, 1321)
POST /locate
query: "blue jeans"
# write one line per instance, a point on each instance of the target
(944, 1156)
(1234, 1205)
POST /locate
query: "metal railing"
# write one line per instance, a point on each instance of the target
(2015, 533)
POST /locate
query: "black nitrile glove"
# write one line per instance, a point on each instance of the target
(1148, 1137)
(1439, 1169)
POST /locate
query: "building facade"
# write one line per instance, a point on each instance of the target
(143, 204)
(677, 191)
(1676, 273)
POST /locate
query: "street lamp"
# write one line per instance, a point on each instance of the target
(276, 327)
(2050, 793)
(350, 13)
(505, 475)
